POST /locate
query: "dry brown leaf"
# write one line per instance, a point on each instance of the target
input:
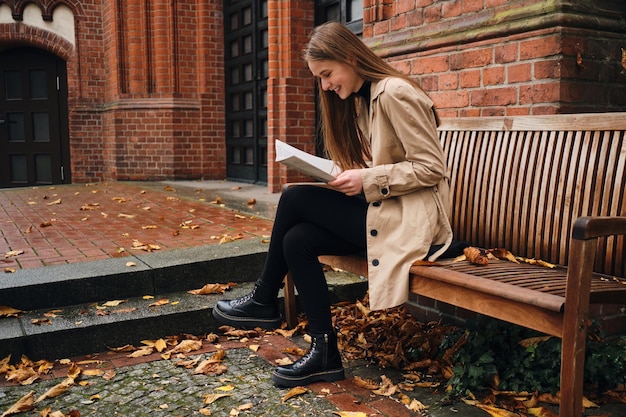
(144, 351)
(113, 303)
(23, 404)
(365, 383)
(57, 390)
(6, 311)
(475, 256)
(210, 367)
(251, 202)
(387, 387)
(22, 375)
(186, 346)
(160, 302)
(283, 361)
(12, 253)
(350, 413)
(533, 341)
(212, 289)
(294, 392)
(204, 412)
(52, 203)
(211, 398)
(502, 253)
(286, 333)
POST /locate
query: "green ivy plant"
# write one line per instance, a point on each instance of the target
(492, 357)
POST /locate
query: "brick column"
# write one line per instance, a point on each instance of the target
(290, 86)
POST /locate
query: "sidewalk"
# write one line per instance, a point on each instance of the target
(179, 234)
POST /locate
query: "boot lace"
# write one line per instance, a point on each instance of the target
(241, 300)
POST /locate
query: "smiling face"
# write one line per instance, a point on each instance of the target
(334, 76)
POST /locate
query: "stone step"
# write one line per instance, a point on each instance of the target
(64, 312)
(154, 273)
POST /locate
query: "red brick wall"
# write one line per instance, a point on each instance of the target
(496, 57)
(290, 87)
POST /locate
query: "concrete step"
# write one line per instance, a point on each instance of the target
(154, 273)
(63, 314)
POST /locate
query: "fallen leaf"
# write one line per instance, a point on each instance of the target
(211, 398)
(12, 253)
(204, 412)
(57, 390)
(212, 289)
(58, 201)
(283, 361)
(294, 392)
(475, 256)
(225, 388)
(6, 311)
(160, 302)
(23, 404)
(350, 413)
(113, 303)
(126, 216)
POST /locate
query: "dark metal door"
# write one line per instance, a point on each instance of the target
(246, 71)
(34, 139)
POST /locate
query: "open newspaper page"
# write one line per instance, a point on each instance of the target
(311, 165)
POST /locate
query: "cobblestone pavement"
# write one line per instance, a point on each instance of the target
(152, 386)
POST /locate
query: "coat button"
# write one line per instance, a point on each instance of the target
(384, 191)
(374, 232)
(376, 203)
(375, 262)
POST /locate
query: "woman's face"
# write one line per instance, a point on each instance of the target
(334, 76)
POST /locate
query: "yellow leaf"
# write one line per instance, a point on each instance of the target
(9, 270)
(225, 388)
(12, 253)
(160, 302)
(254, 348)
(283, 361)
(113, 303)
(23, 404)
(144, 351)
(211, 398)
(160, 345)
(9, 311)
(350, 413)
(294, 392)
(540, 412)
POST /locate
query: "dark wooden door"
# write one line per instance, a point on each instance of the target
(246, 71)
(34, 139)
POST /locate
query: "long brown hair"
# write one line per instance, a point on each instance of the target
(343, 140)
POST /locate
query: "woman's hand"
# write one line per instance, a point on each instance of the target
(348, 182)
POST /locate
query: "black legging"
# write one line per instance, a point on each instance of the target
(312, 221)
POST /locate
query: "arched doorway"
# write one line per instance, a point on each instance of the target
(34, 135)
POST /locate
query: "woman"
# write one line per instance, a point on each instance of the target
(391, 200)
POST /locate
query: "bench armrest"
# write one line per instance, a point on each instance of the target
(593, 227)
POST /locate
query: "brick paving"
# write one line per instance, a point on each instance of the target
(78, 223)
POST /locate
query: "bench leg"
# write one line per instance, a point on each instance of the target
(291, 315)
(575, 318)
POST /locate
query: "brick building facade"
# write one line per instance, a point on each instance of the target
(146, 90)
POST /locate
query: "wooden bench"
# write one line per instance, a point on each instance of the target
(545, 187)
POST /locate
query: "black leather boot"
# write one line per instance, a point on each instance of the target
(246, 312)
(321, 363)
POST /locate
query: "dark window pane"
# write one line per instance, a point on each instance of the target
(236, 156)
(248, 128)
(247, 72)
(247, 16)
(13, 83)
(247, 98)
(234, 49)
(16, 127)
(43, 169)
(41, 127)
(264, 14)
(249, 155)
(234, 21)
(236, 129)
(234, 76)
(235, 102)
(38, 85)
(247, 44)
(18, 168)
(333, 13)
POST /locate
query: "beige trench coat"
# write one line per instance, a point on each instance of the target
(407, 188)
